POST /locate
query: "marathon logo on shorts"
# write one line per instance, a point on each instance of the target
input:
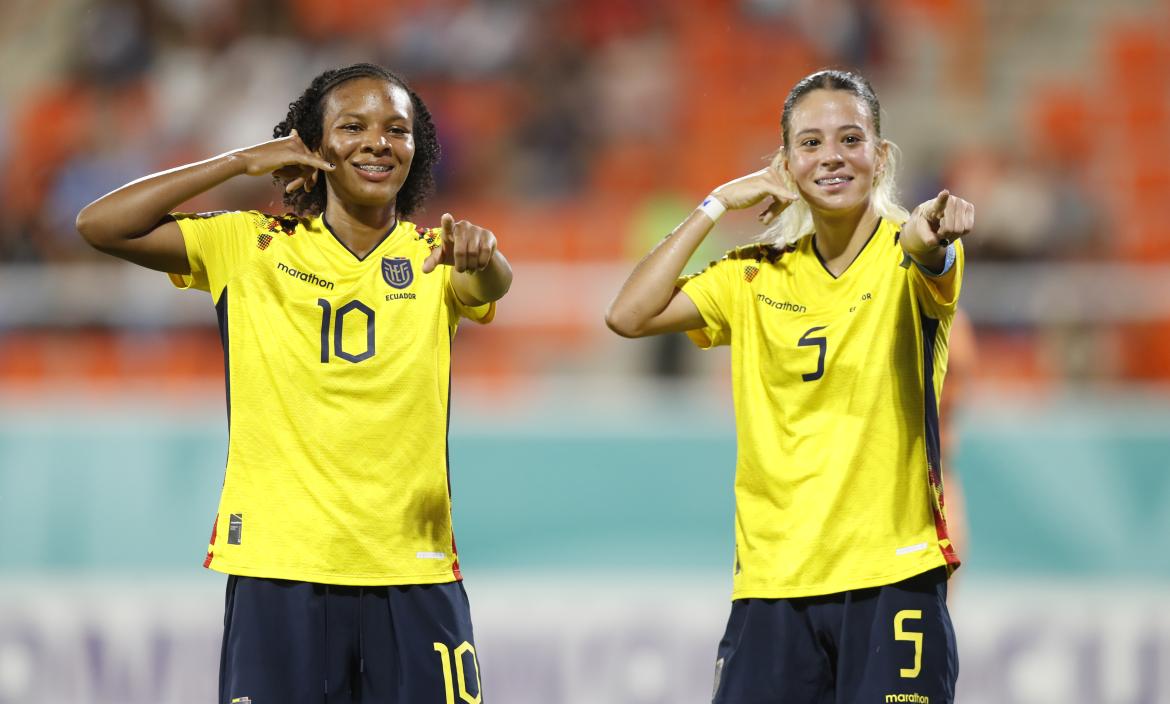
(911, 698)
(235, 528)
(397, 271)
(242, 700)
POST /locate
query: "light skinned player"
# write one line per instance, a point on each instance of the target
(837, 322)
(334, 523)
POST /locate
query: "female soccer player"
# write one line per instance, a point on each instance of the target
(335, 519)
(837, 323)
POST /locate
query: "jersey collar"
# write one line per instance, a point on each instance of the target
(825, 267)
(329, 229)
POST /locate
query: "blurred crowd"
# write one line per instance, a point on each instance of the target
(610, 117)
(536, 100)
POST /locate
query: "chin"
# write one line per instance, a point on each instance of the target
(842, 203)
(374, 196)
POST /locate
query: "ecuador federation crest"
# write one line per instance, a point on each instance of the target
(397, 271)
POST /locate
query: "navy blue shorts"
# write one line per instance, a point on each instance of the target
(868, 646)
(292, 642)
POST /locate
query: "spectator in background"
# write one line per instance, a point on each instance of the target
(59, 137)
(842, 31)
(1029, 210)
(552, 135)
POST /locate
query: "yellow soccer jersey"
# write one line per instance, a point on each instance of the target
(338, 373)
(836, 384)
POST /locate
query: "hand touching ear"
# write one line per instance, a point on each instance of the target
(288, 158)
(746, 191)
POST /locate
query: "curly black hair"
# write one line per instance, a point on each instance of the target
(305, 115)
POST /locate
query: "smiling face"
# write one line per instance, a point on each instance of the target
(368, 132)
(833, 151)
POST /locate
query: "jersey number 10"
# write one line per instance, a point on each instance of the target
(337, 324)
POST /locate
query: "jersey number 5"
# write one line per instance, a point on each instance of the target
(337, 323)
(823, 344)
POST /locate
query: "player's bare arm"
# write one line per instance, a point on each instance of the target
(131, 222)
(648, 302)
(482, 274)
(935, 224)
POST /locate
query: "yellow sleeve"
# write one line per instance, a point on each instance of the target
(216, 244)
(481, 314)
(710, 291)
(938, 295)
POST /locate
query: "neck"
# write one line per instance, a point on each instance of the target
(360, 228)
(840, 236)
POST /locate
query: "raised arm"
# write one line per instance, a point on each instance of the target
(131, 222)
(648, 302)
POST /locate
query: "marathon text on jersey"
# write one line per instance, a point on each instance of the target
(781, 305)
(305, 276)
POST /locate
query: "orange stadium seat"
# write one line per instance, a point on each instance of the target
(1061, 120)
(1136, 87)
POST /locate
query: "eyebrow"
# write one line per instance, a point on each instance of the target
(842, 128)
(360, 116)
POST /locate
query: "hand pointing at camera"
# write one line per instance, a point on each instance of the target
(467, 247)
(936, 223)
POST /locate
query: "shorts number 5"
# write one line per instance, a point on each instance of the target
(913, 636)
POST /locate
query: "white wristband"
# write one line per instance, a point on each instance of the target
(713, 208)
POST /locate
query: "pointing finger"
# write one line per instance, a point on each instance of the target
(448, 225)
(938, 208)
